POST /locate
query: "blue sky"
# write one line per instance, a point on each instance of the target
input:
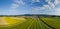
(17, 7)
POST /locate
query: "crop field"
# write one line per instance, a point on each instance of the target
(9, 21)
(32, 22)
(54, 22)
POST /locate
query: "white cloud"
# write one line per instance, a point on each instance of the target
(57, 11)
(46, 6)
(37, 9)
(48, 0)
(14, 6)
(35, 1)
(57, 2)
(17, 3)
(50, 3)
(50, 8)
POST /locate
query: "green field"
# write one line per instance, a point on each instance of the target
(32, 23)
(54, 22)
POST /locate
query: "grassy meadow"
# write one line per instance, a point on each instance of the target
(30, 22)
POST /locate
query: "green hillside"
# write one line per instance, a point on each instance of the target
(35, 22)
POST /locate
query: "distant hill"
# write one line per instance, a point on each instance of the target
(30, 15)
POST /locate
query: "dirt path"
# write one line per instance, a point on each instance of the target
(2, 22)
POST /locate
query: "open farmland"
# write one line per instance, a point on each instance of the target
(54, 22)
(31, 22)
(9, 21)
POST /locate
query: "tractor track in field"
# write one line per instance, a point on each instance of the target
(38, 18)
(46, 23)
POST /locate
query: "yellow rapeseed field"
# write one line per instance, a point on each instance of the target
(9, 21)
